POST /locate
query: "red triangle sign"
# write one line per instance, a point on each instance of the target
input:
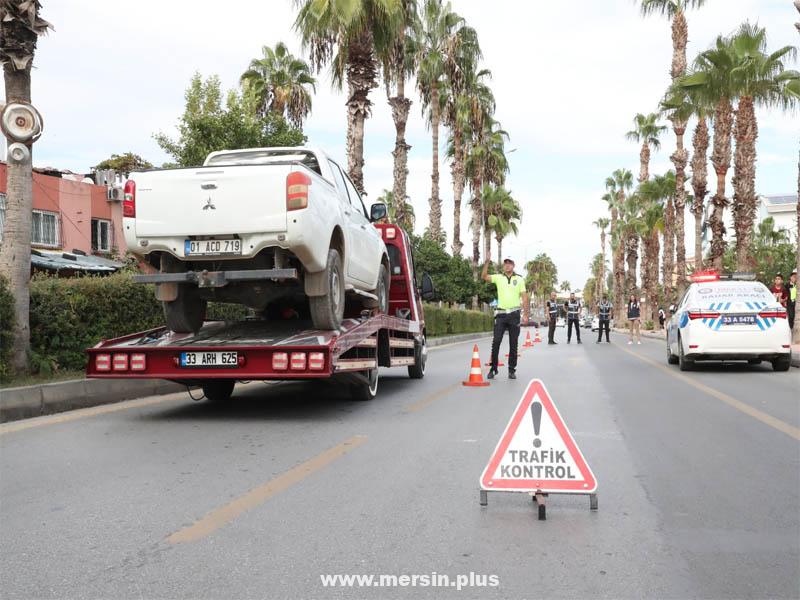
(536, 451)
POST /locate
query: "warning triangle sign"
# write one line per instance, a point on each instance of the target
(537, 452)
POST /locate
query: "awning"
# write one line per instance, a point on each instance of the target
(68, 261)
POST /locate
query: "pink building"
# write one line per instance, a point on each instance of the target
(70, 214)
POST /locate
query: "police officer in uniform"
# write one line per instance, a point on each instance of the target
(604, 309)
(551, 307)
(573, 307)
(512, 298)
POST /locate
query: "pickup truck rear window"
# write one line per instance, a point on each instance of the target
(266, 157)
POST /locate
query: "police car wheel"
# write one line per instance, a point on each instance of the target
(782, 363)
(684, 363)
(671, 358)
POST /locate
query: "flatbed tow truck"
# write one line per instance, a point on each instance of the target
(222, 353)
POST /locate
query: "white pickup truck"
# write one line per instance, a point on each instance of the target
(274, 229)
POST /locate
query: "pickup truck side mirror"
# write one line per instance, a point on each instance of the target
(426, 290)
(377, 212)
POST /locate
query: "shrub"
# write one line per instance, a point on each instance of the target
(448, 321)
(649, 325)
(6, 328)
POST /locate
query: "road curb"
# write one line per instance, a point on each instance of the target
(48, 398)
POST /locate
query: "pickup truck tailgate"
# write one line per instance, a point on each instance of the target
(211, 200)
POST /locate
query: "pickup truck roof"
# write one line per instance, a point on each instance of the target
(311, 158)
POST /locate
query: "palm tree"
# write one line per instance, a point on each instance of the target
(654, 194)
(629, 215)
(398, 210)
(20, 27)
(756, 78)
(350, 35)
(646, 131)
(618, 185)
(440, 38)
(602, 223)
(399, 60)
(503, 215)
(565, 286)
(280, 84)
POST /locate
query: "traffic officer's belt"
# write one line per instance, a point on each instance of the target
(506, 311)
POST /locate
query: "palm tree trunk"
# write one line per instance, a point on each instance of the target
(644, 162)
(475, 224)
(668, 259)
(699, 186)
(362, 76)
(15, 250)
(435, 227)
(632, 258)
(499, 239)
(400, 109)
(796, 331)
(721, 159)
(457, 171)
(744, 180)
(602, 264)
(618, 260)
(679, 158)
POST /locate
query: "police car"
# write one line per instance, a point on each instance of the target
(735, 318)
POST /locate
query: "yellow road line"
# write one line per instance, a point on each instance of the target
(743, 407)
(420, 404)
(222, 516)
(83, 413)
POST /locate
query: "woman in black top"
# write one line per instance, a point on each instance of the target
(634, 319)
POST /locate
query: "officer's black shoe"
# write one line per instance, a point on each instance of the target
(597, 342)
(569, 342)
(512, 375)
(552, 343)
(579, 341)
(491, 374)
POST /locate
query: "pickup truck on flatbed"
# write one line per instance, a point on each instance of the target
(262, 227)
(286, 345)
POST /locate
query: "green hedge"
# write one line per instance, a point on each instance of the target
(6, 328)
(447, 321)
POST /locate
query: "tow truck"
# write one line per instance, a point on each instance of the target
(287, 348)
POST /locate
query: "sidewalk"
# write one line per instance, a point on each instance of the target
(48, 398)
(659, 335)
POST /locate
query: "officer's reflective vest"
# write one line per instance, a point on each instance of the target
(573, 308)
(552, 308)
(605, 310)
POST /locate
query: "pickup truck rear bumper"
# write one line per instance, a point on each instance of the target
(216, 279)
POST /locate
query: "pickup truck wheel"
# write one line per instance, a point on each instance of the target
(218, 390)
(382, 291)
(327, 310)
(417, 370)
(187, 312)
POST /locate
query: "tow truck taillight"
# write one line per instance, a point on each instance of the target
(391, 233)
(138, 362)
(298, 362)
(316, 361)
(280, 361)
(297, 190)
(773, 313)
(102, 362)
(703, 314)
(120, 362)
(129, 199)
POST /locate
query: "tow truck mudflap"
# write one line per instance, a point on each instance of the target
(216, 279)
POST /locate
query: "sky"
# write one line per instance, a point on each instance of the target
(568, 78)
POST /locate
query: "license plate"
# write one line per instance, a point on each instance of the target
(738, 319)
(213, 247)
(202, 360)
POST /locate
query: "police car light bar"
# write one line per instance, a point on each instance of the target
(741, 276)
(703, 276)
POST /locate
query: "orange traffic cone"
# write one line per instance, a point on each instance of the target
(475, 374)
(528, 342)
(538, 340)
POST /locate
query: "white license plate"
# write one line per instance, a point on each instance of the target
(201, 360)
(212, 247)
(738, 319)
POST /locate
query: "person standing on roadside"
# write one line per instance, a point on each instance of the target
(791, 288)
(604, 309)
(779, 290)
(634, 319)
(573, 308)
(551, 308)
(512, 298)
(662, 316)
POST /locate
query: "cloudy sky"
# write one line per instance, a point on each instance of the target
(568, 78)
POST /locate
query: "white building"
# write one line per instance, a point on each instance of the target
(782, 209)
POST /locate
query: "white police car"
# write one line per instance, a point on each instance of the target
(720, 319)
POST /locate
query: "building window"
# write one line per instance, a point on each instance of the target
(101, 235)
(2, 215)
(44, 230)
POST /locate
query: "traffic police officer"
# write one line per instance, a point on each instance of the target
(552, 314)
(604, 309)
(573, 307)
(512, 297)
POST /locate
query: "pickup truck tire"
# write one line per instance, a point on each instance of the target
(382, 291)
(218, 390)
(327, 310)
(187, 312)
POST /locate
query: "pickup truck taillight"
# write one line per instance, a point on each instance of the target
(297, 190)
(129, 199)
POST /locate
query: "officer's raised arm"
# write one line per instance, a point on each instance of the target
(485, 272)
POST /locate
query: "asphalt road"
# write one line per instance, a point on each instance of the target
(699, 487)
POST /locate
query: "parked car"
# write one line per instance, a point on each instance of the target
(257, 227)
(596, 323)
(561, 322)
(587, 321)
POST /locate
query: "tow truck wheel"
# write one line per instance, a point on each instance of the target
(782, 363)
(417, 370)
(684, 363)
(187, 312)
(369, 388)
(327, 310)
(218, 390)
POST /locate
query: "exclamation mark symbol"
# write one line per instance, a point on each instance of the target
(536, 414)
